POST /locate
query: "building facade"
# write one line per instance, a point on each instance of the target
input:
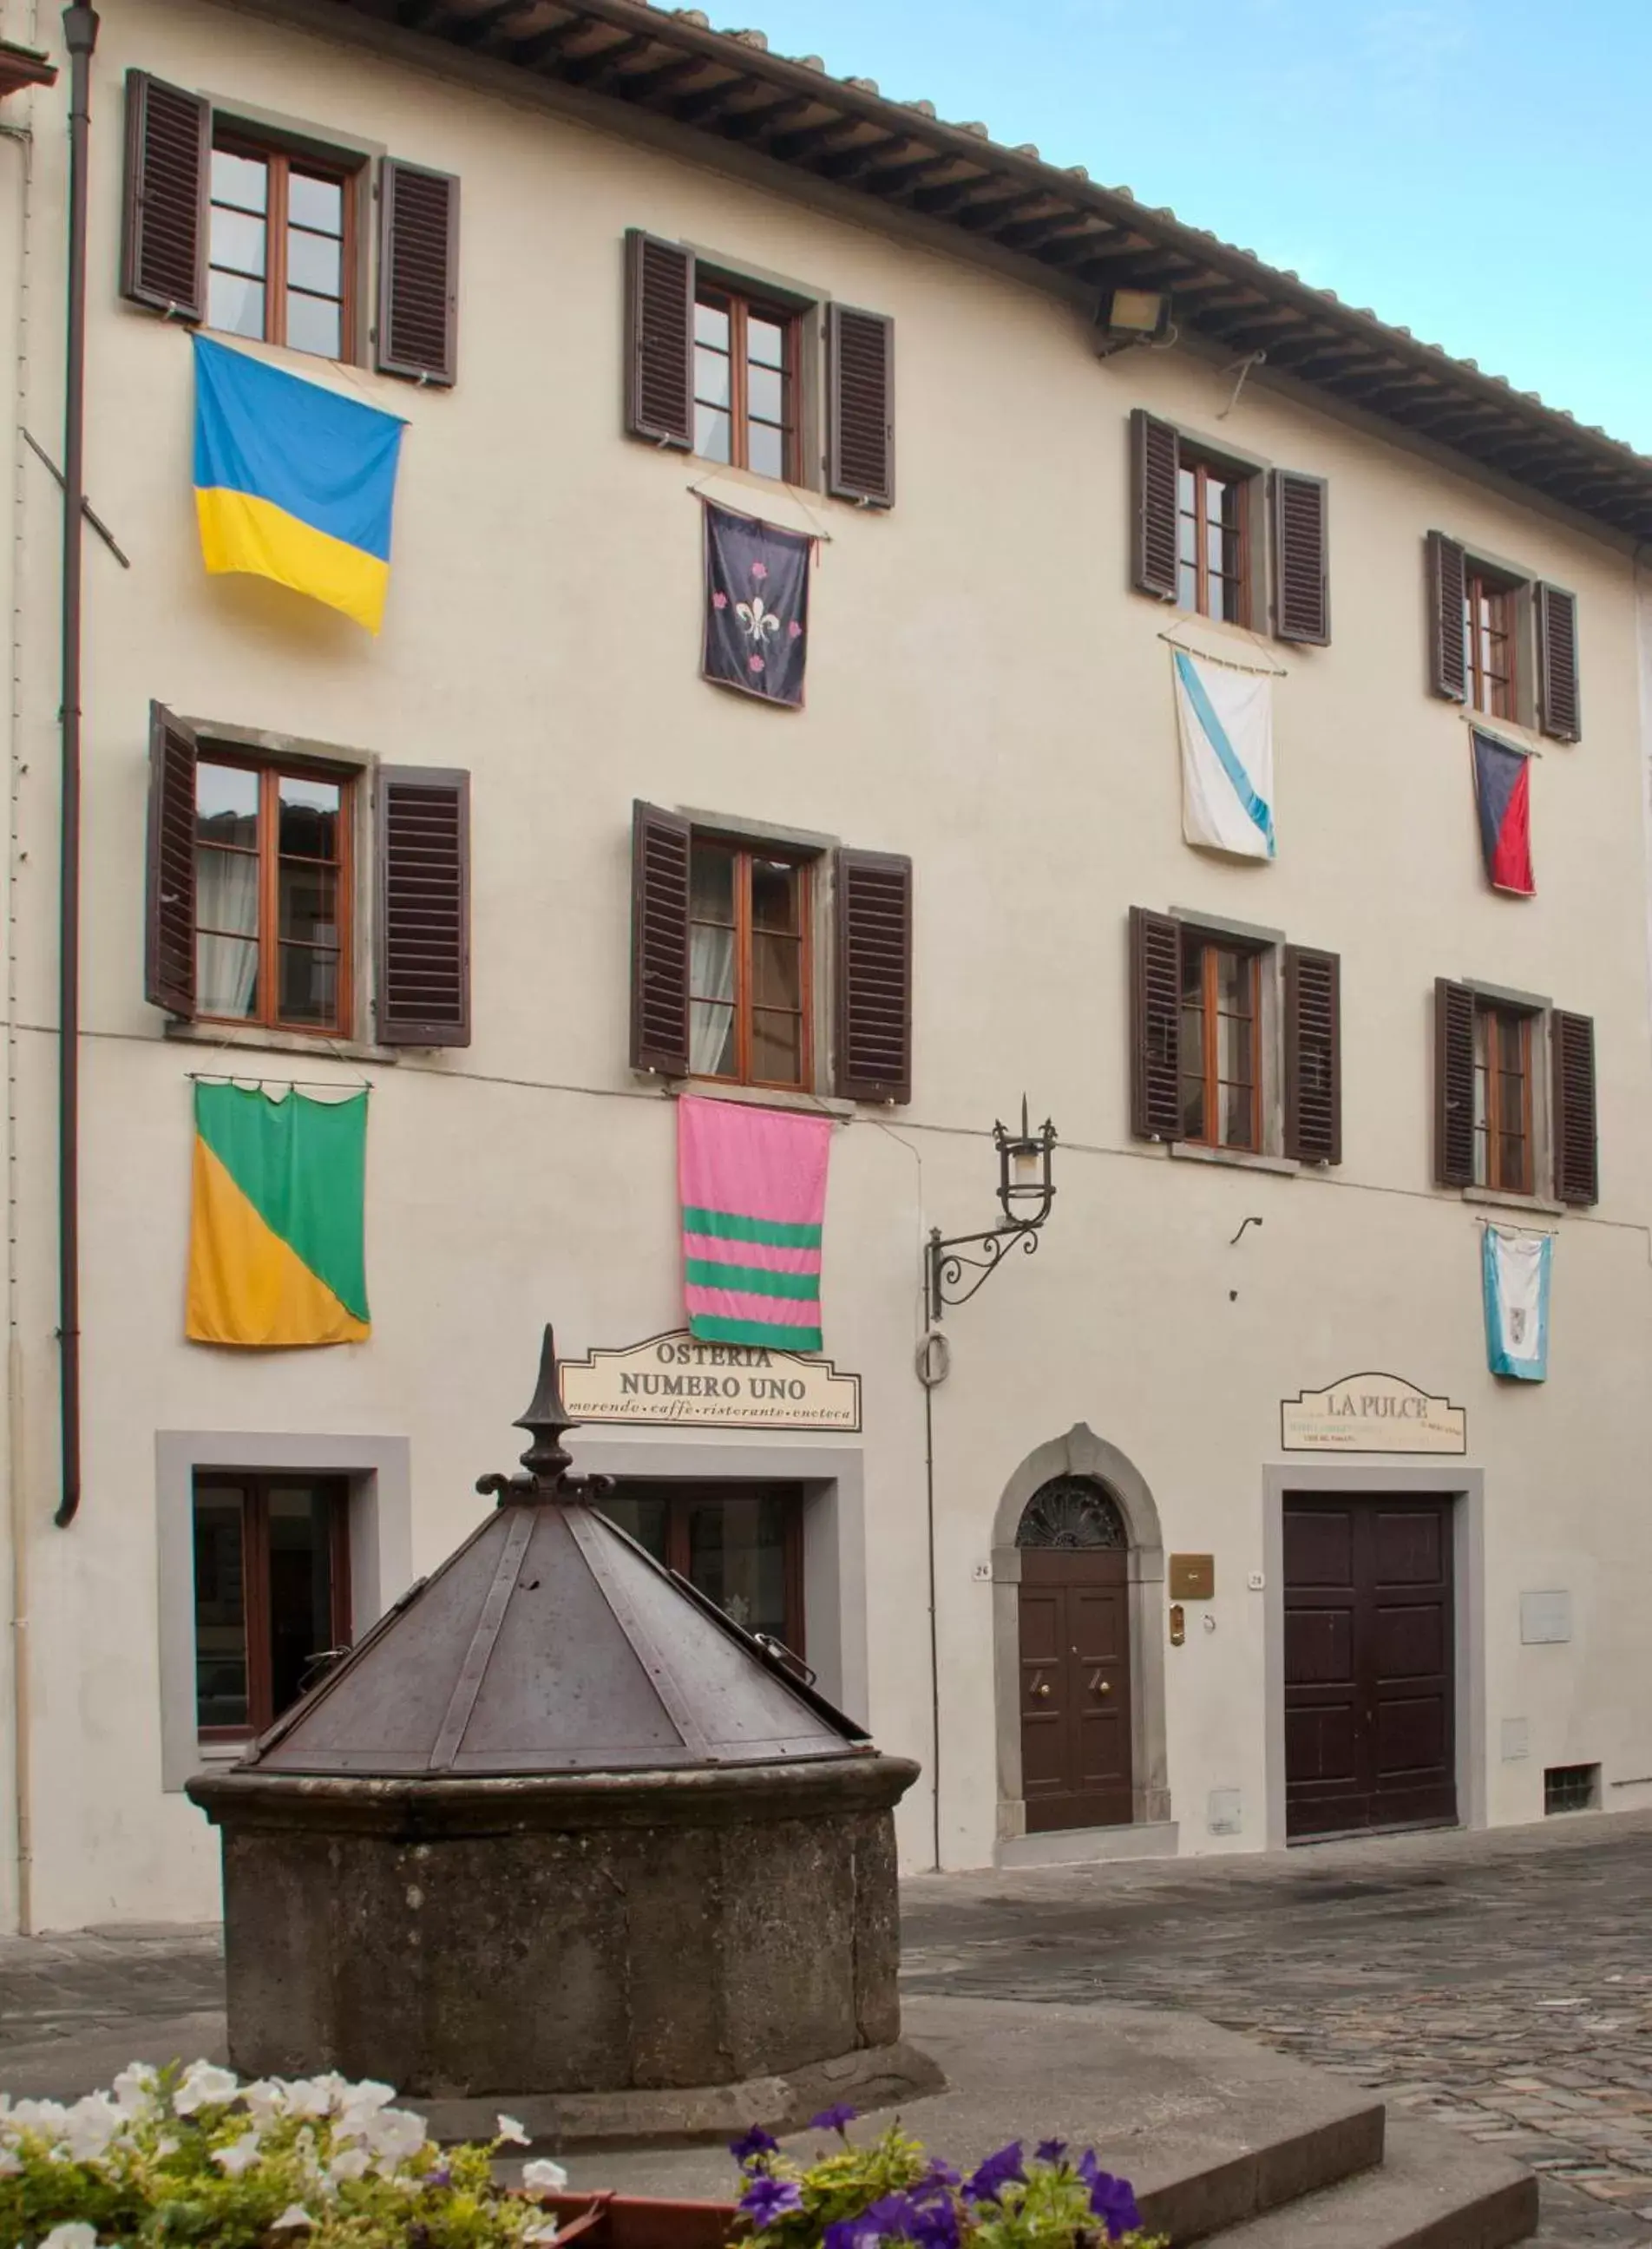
(1208, 1525)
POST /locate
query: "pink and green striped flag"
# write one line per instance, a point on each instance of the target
(753, 1188)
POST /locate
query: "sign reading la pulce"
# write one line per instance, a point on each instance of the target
(710, 1385)
(1372, 1413)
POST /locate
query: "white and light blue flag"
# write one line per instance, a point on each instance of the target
(1225, 718)
(1515, 1268)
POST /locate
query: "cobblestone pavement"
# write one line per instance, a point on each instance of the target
(1499, 1984)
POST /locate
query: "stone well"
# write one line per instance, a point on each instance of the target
(558, 1836)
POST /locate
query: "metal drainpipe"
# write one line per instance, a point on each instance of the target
(80, 35)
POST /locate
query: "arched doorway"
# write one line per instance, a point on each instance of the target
(1074, 1634)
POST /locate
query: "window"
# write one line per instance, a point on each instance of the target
(719, 369)
(745, 382)
(280, 248)
(259, 237)
(250, 889)
(1210, 540)
(272, 1594)
(1489, 612)
(748, 965)
(742, 1545)
(1503, 1100)
(1236, 1041)
(1220, 1074)
(1514, 1095)
(271, 894)
(723, 967)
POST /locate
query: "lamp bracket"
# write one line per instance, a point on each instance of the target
(945, 1266)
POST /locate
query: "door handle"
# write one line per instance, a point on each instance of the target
(1040, 1685)
(1098, 1685)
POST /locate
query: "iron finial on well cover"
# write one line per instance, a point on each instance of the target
(546, 1459)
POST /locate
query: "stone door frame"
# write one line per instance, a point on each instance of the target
(1081, 1453)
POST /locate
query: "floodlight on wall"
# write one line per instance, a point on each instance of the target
(1134, 316)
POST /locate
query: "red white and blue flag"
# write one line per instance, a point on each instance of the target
(1502, 793)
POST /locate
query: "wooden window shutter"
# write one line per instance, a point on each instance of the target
(422, 816)
(1576, 1173)
(860, 413)
(659, 341)
(872, 907)
(168, 935)
(418, 306)
(163, 231)
(1448, 651)
(1453, 1084)
(1557, 703)
(1155, 1026)
(1154, 459)
(1301, 558)
(660, 847)
(1313, 1055)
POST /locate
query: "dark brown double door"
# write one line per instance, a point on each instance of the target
(1370, 1691)
(1075, 1688)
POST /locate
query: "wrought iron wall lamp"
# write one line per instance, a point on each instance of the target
(1025, 1194)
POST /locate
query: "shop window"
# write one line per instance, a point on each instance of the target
(272, 1594)
(741, 1546)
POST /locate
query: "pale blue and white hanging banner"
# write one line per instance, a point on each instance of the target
(1225, 718)
(1515, 1268)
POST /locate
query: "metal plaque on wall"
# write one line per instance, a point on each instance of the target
(1372, 1413)
(710, 1385)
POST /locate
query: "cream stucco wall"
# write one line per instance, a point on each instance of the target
(986, 694)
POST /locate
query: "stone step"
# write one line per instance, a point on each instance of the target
(1433, 2188)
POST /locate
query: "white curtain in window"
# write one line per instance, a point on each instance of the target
(226, 896)
(711, 976)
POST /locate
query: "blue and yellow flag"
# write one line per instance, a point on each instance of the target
(293, 482)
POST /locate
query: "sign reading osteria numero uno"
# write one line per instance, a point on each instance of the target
(710, 1385)
(1372, 1413)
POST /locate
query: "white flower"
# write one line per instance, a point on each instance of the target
(265, 2100)
(10, 2165)
(134, 2089)
(166, 2145)
(348, 2164)
(46, 2117)
(73, 2236)
(240, 2156)
(543, 2231)
(393, 2134)
(294, 2215)
(90, 2127)
(544, 2177)
(511, 2132)
(360, 2103)
(309, 2097)
(205, 2085)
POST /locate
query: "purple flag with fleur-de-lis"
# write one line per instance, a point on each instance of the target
(756, 606)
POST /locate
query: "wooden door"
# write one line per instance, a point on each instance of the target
(1075, 1689)
(1370, 1685)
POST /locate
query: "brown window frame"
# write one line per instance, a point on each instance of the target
(1203, 468)
(740, 303)
(744, 851)
(234, 140)
(271, 772)
(1490, 1022)
(255, 1488)
(1495, 695)
(1212, 946)
(681, 1497)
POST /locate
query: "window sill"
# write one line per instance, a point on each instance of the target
(1498, 1200)
(1226, 643)
(783, 504)
(755, 1097)
(1510, 730)
(216, 1755)
(1242, 1159)
(255, 1039)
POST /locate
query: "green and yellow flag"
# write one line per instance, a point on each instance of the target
(275, 1227)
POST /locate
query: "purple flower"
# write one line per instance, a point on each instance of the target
(759, 571)
(766, 2200)
(1051, 2151)
(756, 2143)
(938, 2177)
(440, 2177)
(1112, 2200)
(934, 2224)
(833, 2119)
(719, 601)
(988, 2182)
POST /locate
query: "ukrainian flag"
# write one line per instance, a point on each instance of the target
(293, 482)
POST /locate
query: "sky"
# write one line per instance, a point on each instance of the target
(1474, 170)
